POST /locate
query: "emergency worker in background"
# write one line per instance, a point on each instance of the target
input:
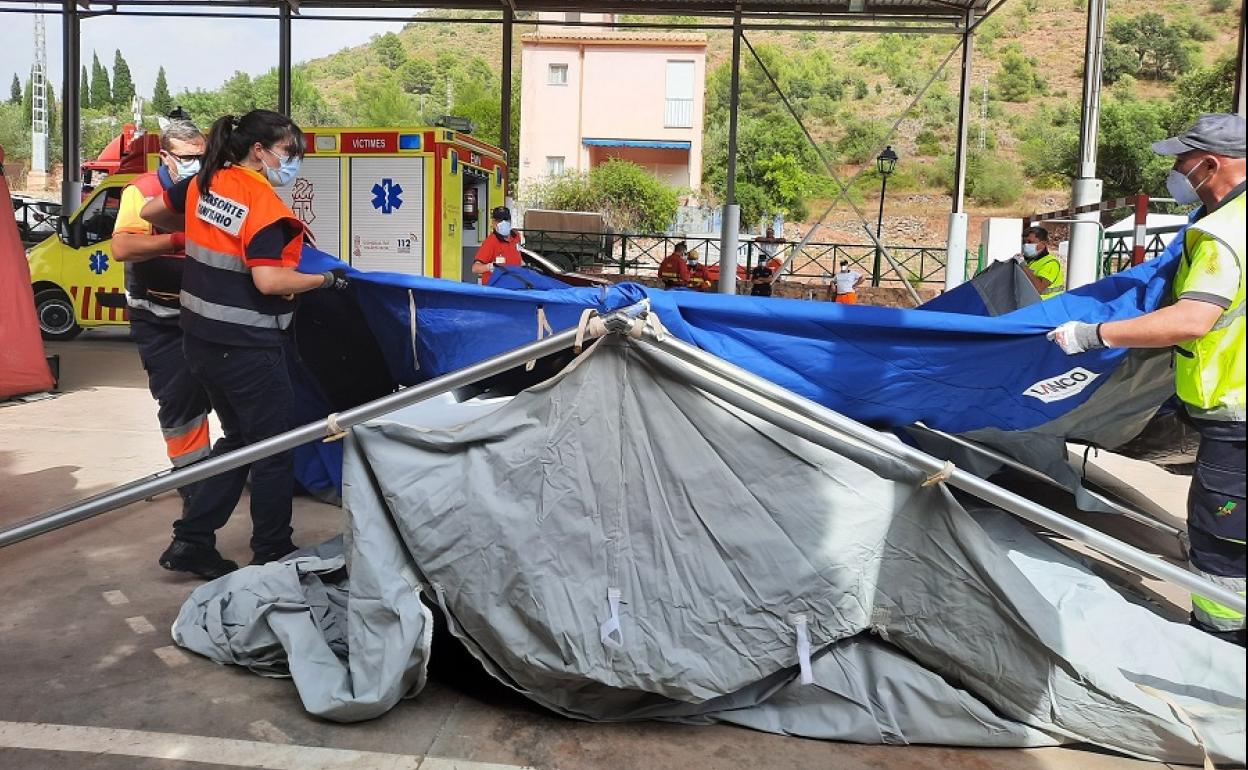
(699, 279)
(153, 263)
(1044, 269)
(238, 300)
(501, 247)
(845, 283)
(1205, 327)
(673, 271)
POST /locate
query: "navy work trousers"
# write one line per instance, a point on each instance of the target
(250, 390)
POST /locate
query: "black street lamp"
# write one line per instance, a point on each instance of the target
(885, 164)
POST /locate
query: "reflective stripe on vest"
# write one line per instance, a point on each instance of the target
(234, 315)
(1049, 267)
(1210, 371)
(220, 301)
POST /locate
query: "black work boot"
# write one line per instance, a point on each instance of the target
(1234, 637)
(268, 554)
(199, 560)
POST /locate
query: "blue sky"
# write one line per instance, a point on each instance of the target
(196, 53)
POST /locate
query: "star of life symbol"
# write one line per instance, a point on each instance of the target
(386, 196)
(301, 195)
(98, 262)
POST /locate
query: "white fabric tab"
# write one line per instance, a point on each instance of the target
(611, 626)
(803, 649)
(411, 319)
(543, 331)
(940, 476)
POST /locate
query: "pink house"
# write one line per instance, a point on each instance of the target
(588, 95)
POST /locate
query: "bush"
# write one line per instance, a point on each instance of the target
(1198, 30)
(861, 140)
(1017, 80)
(990, 180)
(928, 143)
(1220, 6)
(631, 198)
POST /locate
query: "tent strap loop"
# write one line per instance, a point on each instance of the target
(333, 431)
(940, 476)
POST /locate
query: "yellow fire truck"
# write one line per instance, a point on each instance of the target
(405, 200)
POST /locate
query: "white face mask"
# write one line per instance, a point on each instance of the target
(503, 228)
(1181, 188)
(1030, 250)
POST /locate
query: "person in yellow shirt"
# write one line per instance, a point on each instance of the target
(1044, 269)
(153, 262)
(1205, 327)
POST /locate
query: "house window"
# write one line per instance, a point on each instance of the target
(555, 165)
(678, 111)
(557, 75)
(571, 18)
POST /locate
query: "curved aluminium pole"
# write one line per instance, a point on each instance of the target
(747, 390)
(165, 481)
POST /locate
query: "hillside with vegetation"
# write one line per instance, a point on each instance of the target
(1166, 60)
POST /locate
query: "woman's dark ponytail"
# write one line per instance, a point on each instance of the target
(216, 152)
(231, 138)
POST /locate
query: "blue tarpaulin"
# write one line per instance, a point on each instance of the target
(953, 371)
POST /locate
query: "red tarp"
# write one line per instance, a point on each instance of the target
(23, 369)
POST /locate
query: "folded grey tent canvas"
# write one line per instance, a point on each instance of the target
(617, 544)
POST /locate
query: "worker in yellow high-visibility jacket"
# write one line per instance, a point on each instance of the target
(1205, 326)
(1043, 268)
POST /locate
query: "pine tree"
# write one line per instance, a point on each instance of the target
(27, 103)
(15, 90)
(84, 90)
(123, 83)
(162, 102)
(101, 91)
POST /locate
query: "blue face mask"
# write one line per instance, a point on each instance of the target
(503, 228)
(186, 168)
(285, 173)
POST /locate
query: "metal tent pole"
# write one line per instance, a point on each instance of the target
(1084, 242)
(1000, 457)
(955, 247)
(284, 74)
(71, 111)
(746, 390)
(144, 488)
(504, 127)
(730, 226)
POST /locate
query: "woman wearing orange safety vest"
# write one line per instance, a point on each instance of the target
(238, 300)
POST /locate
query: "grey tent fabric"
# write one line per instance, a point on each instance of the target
(616, 544)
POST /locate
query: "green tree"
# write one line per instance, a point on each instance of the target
(84, 89)
(389, 51)
(631, 198)
(15, 90)
(417, 76)
(1158, 46)
(1119, 61)
(379, 101)
(27, 101)
(162, 102)
(123, 83)
(1017, 79)
(101, 91)
(1204, 90)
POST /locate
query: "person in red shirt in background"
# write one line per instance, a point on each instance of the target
(501, 247)
(672, 270)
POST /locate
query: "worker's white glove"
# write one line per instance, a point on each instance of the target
(1077, 337)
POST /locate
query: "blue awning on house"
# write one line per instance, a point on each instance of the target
(649, 144)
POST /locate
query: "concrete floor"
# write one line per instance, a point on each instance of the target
(90, 677)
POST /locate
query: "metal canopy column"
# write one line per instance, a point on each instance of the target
(504, 130)
(955, 246)
(71, 114)
(283, 59)
(1237, 100)
(1085, 241)
(731, 224)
